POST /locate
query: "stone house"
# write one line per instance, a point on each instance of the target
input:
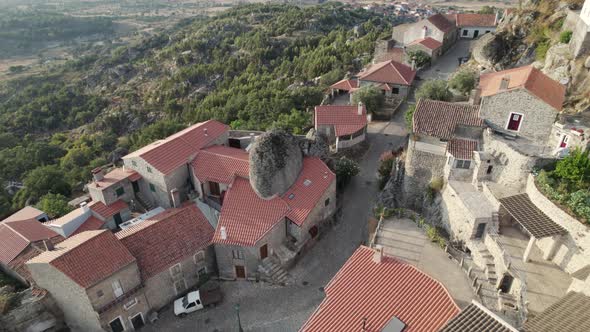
(21, 240)
(522, 102)
(173, 252)
(428, 45)
(344, 126)
(437, 27)
(118, 184)
(163, 164)
(95, 280)
(570, 132)
(26, 213)
(473, 25)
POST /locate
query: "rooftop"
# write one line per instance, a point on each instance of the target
(440, 119)
(91, 224)
(441, 22)
(88, 257)
(429, 43)
(462, 148)
(174, 151)
(107, 211)
(570, 314)
(167, 238)
(220, 164)
(346, 85)
(527, 77)
(530, 217)
(477, 318)
(345, 119)
(115, 176)
(475, 20)
(378, 292)
(28, 212)
(389, 72)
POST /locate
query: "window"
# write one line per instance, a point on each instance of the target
(100, 293)
(149, 169)
(395, 91)
(179, 286)
(202, 273)
(117, 289)
(487, 31)
(465, 32)
(199, 257)
(237, 254)
(176, 270)
(130, 304)
(152, 188)
(190, 305)
(120, 191)
(327, 202)
(463, 164)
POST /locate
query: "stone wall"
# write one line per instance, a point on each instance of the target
(455, 217)
(537, 116)
(320, 213)
(572, 254)
(33, 313)
(580, 41)
(351, 142)
(128, 277)
(141, 307)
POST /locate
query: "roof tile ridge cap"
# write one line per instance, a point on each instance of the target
(205, 150)
(75, 246)
(15, 231)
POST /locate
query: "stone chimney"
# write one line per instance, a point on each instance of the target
(48, 245)
(98, 174)
(360, 108)
(378, 254)
(84, 206)
(223, 232)
(424, 31)
(504, 83)
(175, 194)
(413, 64)
(475, 97)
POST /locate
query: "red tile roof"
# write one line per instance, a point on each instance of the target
(167, 239)
(429, 43)
(439, 118)
(11, 244)
(246, 217)
(88, 257)
(441, 22)
(345, 119)
(28, 212)
(220, 164)
(107, 211)
(529, 78)
(388, 72)
(377, 292)
(31, 230)
(170, 153)
(346, 85)
(91, 224)
(18, 264)
(305, 193)
(476, 20)
(396, 54)
(115, 176)
(462, 148)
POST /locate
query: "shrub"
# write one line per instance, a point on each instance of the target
(409, 117)
(565, 37)
(55, 205)
(574, 169)
(541, 49)
(435, 90)
(420, 57)
(370, 96)
(385, 171)
(436, 184)
(7, 301)
(345, 170)
(463, 81)
(579, 202)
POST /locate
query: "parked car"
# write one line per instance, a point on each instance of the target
(207, 295)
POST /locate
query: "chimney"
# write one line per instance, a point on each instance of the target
(175, 197)
(84, 206)
(223, 233)
(205, 131)
(97, 174)
(413, 64)
(475, 97)
(504, 83)
(378, 254)
(360, 108)
(497, 18)
(48, 245)
(424, 31)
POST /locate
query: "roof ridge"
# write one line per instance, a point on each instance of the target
(64, 251)
(205, 150)
(15, 231)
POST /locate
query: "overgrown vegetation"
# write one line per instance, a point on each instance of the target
(420, 57)
(565, 37)
(434, 90)
(463, 81)
(370, 96)
(409, 117)
(345, 170)
(568, 184)
(385, 166)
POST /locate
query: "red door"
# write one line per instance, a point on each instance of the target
(264, 251)
(564, 140)
(240, 272)
(514, 122)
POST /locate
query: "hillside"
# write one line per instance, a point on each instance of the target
(254, 67)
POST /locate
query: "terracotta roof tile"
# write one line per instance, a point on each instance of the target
(378, 292)
(169, 238)
(11, 244)
(441, 22)
(88, 257)
(107, 211)
(115, 176)
(477, 318)
(462, 148)
(476, 20)
(529, 78)
(346, 85)
(388, 72)
(429, 43)
(170, 153)
(246, 217)
(91, 224)
(313, 181)
(345, 119)
(32, 230)
(220, 164)
(440, 119)
(18, 264)
(26, 213)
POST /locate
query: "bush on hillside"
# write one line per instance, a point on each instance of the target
(565, 37)
(370, 96)
(463, 81)
(434, 90)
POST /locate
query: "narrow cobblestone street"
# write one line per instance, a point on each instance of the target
(264, 307)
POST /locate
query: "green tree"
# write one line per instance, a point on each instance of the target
(55, 205)
(295, 122)
(409, 117)
(487, 10)
(575, 169)
(420, 57)
(370, 96)
(434, 90)
(345, 170)
(46, 179)
(463, 81)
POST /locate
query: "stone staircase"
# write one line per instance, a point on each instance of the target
(144, 202)
(271, 271)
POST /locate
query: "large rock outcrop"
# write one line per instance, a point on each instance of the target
(275, 162)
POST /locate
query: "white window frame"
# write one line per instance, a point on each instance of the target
(197, 261)
(131, 317)
(510, 118)
(462, 161)
(174, 286)
(240, 254)
(118, 283)
(172, 274)
(120, 318)
(127, 307)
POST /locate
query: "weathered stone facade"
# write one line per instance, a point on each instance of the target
(425, 160)
(580, 42)
(34, 313)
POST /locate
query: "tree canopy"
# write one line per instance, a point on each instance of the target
(434, 90)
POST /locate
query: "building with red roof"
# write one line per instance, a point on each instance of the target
(473, 25)
(173, 252)
(438, 27)
(373, 292)
(343, 125)
(94, 280)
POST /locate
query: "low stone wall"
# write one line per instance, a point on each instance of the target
(572, 254)
(351, 142)
(32, 314)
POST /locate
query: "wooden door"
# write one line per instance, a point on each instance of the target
(137, 322)
(240, 272)
(564, 140)
(514, 122)
(135, 186)
(117, 325)
(214, 188)
(480, 229)
(264, 251)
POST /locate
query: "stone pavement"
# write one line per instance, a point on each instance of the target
(403, 239)
(265, 307)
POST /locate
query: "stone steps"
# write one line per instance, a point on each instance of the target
(272, 271)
